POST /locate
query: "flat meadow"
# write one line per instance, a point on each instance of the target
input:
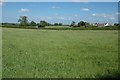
(37, 53)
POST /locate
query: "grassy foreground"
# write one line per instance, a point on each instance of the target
(0, 52)
(34, 53)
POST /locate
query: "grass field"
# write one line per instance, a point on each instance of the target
(58, 27)
(0, 52)
(34, 53)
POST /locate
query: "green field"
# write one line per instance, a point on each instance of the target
(57, 27)
(37, 53)
(0, 52)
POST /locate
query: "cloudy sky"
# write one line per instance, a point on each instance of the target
(63, 12)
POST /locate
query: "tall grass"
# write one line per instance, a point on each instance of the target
(35, 53)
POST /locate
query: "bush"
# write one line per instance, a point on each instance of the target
(83, 28)
(91, 26)
(41, 26)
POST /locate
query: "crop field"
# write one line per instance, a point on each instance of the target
(37, 53)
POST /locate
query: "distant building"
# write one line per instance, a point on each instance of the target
(101, 24)
(106, 24)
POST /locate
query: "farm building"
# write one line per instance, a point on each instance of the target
(101, 24)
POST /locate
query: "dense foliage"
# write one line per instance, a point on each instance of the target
(33, 23)
(23, 20)
(43, 24)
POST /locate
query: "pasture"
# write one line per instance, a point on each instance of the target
(57, 27)
(37, 53)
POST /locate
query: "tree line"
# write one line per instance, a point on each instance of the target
(24, 22)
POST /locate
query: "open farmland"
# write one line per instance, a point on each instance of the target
(37, 53)
(58, 27)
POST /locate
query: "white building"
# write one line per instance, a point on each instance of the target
(101, 24)
(106, 25)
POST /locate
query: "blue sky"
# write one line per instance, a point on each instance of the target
(62, 12)
(60, 0)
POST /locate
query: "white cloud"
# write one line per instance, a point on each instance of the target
(85, 9)
(76, 0)
(61, 18)
(76, 15)
(112, 18)
(100, 15)
(93, 14)
(86, 2)
(40, 17)
(49, 18)
(55, 7)
(69, 18)
(24, 10)
(106, 17)
(1, 3)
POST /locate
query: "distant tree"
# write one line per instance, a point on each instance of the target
(72, 24)
(60, 24)
(23, 20)
(32, 23)
(49, 24)
(116, 24)
(37, 24)
(86, 23)
(81, 23)
(43, 24)
(56, 24)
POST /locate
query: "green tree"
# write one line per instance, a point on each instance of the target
(72, 24)
(23, 20)
(56, 24)
(49, 24)
(32, 23)
(60, 24)
(43, 24)
(82, 23)
(116, 24)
